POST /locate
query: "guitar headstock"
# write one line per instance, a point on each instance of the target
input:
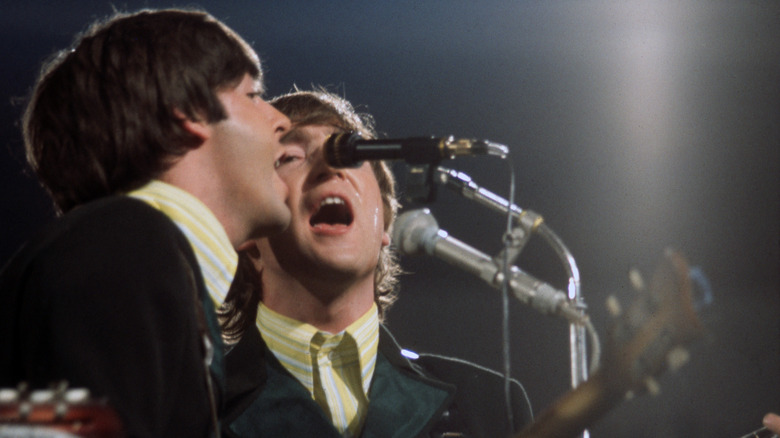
(56, 412)
(650, 336)
(645, 339)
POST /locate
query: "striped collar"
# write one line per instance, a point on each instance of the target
(289, 339)
(217, 259)
(313, 356)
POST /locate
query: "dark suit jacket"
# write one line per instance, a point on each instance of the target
(111, 298)
(406, 400)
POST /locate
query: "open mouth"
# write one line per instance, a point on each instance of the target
(332, 211)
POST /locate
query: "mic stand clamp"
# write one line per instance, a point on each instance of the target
(419, 183)
(513, 245)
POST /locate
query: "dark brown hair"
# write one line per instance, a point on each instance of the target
(318, 107)
(105, 115)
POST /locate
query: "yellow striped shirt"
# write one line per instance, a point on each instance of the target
(335, 368)
(217, 259)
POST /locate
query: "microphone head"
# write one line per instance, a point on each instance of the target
(340, 149)
(415, 232)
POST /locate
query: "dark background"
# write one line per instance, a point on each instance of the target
(633, 126)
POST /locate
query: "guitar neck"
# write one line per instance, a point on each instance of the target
(760, 433)
(646, 339)
(571, 413)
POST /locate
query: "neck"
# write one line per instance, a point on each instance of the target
(328, 305)
(187, 174)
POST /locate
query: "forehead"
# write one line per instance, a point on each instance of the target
(255, 83)
(243, 84)
(310, 135)
(258, 85)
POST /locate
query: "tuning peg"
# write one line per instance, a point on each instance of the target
(636, 279)
(677, 357)
(8, 396)
(652, 386)
(613, 306)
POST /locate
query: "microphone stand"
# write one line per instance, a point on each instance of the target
(530, 222)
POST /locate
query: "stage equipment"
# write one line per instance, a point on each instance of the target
(416, 232)
(521, 224)
(349, 149)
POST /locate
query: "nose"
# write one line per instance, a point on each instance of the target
(321, 170)
(280, 122)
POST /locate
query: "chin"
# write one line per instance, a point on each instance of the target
(350, 266)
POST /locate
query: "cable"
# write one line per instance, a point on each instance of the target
(505, 298)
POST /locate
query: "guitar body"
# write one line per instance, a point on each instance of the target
(56, 413)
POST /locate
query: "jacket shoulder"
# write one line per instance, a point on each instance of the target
(480, 395)
(116, 222)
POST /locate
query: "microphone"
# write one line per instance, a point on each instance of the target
(349, 149)
(416, 232)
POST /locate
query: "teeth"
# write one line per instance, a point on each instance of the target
(330, 200)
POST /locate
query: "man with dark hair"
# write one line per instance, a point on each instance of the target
(152, 138)
(312, 357)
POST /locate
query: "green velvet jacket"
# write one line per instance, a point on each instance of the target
(408, 398)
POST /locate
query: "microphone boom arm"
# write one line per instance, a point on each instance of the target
(530, 222)
(418, 233)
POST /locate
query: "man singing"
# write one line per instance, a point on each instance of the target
(152, 138)
(313, 358)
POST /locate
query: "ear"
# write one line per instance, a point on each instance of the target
(198, 128)
(250, 246)
(385, 239)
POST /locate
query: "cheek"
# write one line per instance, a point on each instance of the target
(379, 226)
(379, 215)
(378, 222)
(387, 214)
(293, 174)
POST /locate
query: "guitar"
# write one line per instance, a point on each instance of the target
(646, 339)
(56, 413)
(760, 433)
